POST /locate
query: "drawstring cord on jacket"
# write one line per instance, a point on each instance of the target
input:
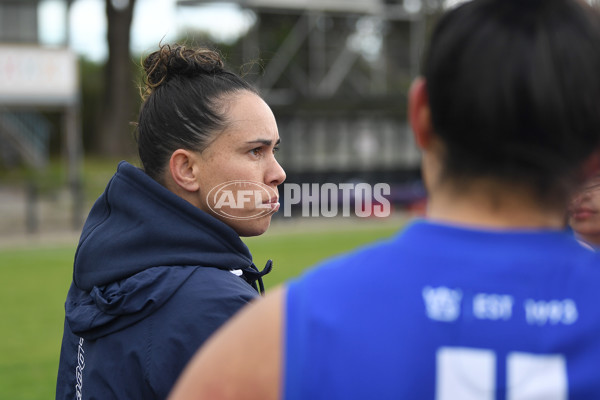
(253, 275)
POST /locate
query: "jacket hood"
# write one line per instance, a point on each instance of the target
(139, 244)
(110, 308)
(137, 224)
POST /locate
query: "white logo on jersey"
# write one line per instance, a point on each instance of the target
(492, 306)
(442, 303)
(551, 312)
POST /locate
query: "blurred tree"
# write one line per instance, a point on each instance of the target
(115, 136)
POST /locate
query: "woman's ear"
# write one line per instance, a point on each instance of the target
(419, 113)
(183, 168)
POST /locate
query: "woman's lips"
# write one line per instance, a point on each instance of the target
(272, 203)
(582, 213)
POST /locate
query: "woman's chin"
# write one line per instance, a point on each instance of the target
(251, 227)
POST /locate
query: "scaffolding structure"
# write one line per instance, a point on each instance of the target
(38, 80)
(336, 74)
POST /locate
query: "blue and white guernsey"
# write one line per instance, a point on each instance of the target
(445, 312)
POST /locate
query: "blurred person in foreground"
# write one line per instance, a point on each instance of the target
(490, 296)
(159, 265)
(584, 213)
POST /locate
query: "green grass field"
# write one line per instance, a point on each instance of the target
(34, 282)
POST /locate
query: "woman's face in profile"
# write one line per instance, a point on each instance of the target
(584, 211)
(239, 173)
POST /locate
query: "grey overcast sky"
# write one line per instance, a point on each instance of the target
(153, 20)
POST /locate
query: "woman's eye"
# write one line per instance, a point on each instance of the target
(259, 151)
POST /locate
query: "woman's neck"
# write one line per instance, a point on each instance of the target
(492, 205)
(592, 241)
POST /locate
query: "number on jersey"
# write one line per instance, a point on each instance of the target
(470, 374)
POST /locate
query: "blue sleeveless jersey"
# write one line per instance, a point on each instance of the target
(442, 312)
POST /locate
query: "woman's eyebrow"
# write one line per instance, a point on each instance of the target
(266, 142)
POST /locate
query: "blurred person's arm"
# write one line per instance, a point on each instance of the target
(243, 360)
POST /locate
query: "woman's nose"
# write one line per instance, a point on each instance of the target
(579, 196)
(275, 174)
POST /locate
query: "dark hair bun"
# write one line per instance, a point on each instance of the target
(173, 60)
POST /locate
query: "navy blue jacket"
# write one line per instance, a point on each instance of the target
(152, 280)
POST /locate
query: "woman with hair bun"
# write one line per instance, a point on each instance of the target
(160, 264)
